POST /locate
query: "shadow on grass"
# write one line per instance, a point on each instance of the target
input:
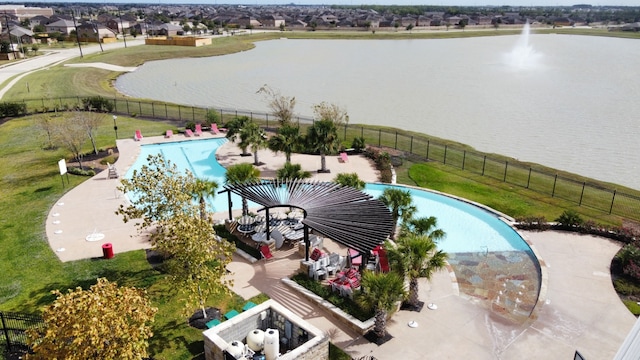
(170, 336)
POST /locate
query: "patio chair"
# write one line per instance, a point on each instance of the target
(137, 136)
(348, 288)
(113, 172)
(214, 129)
(198, 129)
(344, 157)
(188, 133)
(265, 252)
(333, 265)
(277, 236)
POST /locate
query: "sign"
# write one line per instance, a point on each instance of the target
(63, 166)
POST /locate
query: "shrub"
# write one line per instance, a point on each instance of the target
(78, 171)
(212, 117)
(626, 286)
(358, 144)
(191, 126)
(382, 161)
(9, 109)
(97, 103)
(533, 223)
(570, 218)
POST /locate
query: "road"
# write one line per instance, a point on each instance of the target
(51, 58)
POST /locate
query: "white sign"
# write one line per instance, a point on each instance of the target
(63, 166)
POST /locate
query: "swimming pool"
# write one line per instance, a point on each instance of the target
(486, 254)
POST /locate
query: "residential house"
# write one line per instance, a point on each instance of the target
(62, 26)
(19, 35)
(273, 21)
(164, 30)
(92, 32)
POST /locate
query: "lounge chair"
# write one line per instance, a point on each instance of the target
(214, 129)
(113, 172)
(137, 136)
(168, 134)
(248, 305)
(188, 133)
(265, 252)
(344, 157)
(212, 323)
(277, 236)
(198, 130)
(231, 314)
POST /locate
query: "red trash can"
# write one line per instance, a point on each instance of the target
(107, 250)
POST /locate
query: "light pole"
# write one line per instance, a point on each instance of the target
(115, 126)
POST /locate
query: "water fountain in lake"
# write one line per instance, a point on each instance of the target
(523, 56)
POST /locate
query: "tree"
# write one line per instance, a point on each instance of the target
(423, 226)
(234, 127)
(415, 256)
(351, 180)
(103, 322)
(381, 293)
(409, 27)
(39, 28)
(286, 140)
(71, 134)
(252, 135)
(281, 106)
(396, 25)
(282, 27)
(322, 137)
(203, 189)
(45, 122)
(291, 172)
(91, 122)
(163, 199)
(400, 204)
(463, 23)
(333, 112)
(239, 174)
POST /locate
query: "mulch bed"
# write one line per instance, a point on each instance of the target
(199, 322)
(373, 338)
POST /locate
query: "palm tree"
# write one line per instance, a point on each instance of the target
(349, 180)
(286, 140)
(239, 174)
(423, 226)
(252, 135)
(201, 189)
(415, 256)
(381, 292)
(234, 128)
(400, 204)
(322, 137)
(292, 171)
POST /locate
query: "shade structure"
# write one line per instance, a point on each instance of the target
(341, 213)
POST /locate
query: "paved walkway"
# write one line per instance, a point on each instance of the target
(581, 311)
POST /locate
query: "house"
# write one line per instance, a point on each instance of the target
(92, 32)
(164, 30)
(273, 21)
(19, 35)
(62, 26)
(245, 21)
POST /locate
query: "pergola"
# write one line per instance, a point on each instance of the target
(341, 213)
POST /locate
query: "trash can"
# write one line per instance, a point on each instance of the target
(107, 250)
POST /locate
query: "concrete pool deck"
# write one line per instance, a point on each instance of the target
(581, 312)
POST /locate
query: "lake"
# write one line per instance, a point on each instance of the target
(571, 106)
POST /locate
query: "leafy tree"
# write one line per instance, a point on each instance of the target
(103, 322)
(400, 204)
(409, 27)
(234, 127)
(91, 122)
(322, 137)
(282, 27)
(415, 256)
(286, 140)
(423, 226)
(396, 25)
(333, 112)
(281, 106)
(252, 135)
(203, 189)
(463, 23)
(382, 291)
(163, 200)
(292, 171)
(39, 28)
(5, 47)
(351, 180)
(212, 117)
(239, 174)
(45, 122)
(358, 143)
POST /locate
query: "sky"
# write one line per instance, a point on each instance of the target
(377, 2)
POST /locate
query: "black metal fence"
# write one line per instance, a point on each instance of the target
(13, 336)
(583, 193)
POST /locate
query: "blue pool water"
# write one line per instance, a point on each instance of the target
(468, 228)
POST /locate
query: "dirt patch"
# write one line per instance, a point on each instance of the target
(95, 162)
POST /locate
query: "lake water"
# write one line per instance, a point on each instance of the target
(574, 108)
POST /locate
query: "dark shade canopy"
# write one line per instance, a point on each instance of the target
(343, 214)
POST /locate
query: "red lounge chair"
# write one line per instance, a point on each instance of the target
(214, 129)
(265, 252)
(198, 129)
(137, 136)
(168, 134)
(188, 133)
(344, 157)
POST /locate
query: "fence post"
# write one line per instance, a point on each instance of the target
(345, 132)
(140, 108)
(361, 131)
(179, 113)
(379, 137)
(153, 109)
(444, 161)
(193, 113)
(115, 105)
(529, 178)
(464, 157)
(582, 193)
(484, 162)
(506, 166)
(166, 112)
(128, 112)
(428, 143)
(553, 192)
(411, 146)
(221, 116)
(613, 198)
(42, 99)
(6, 332)
(395, 146)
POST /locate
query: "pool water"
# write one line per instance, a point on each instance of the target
(490, 259)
